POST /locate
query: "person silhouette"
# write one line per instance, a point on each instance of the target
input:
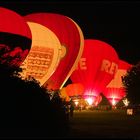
(71, 108)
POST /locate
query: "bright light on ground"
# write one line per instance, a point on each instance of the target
(89, 100)
(126, 102)
(113, 102)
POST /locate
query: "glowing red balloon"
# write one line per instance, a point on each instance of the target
(68, 34)
(115, 91)
(75, 89)
(15, 38)
(96, 68)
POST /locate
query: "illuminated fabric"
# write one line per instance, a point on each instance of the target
(115, 91)
(96, 68)
(44, 55)
(69, 37)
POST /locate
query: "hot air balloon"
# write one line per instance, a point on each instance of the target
(81, 45)
(44, 55)
(15, 38)
(63, 94)
(74, 89)
(115, 91)
(96, 68)
(71, 44)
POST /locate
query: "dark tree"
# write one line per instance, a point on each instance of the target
(26, 109)
(131, 81)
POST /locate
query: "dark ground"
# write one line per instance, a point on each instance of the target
(104, 124)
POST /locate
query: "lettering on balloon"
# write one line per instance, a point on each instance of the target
(38, 62)
(82, 64)
(109, 67)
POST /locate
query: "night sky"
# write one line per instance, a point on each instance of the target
(115, 22)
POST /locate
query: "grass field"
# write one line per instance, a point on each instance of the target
(104, 124)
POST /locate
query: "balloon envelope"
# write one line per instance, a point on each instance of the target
(63, 94)
(96, 67)
(15, 38)
(69, 37)
(81, 45)
(115, 91)
(44, 55)
(75, 89)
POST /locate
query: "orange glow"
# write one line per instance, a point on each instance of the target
(75, 89)
(63, 94)
(130, 111)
